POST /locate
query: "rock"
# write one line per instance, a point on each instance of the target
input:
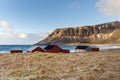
(100, 33)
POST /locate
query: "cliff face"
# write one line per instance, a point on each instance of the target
(101, 33)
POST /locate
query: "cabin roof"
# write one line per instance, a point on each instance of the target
(49, 47)
(81, 47)
(32, 48)
(93, 47)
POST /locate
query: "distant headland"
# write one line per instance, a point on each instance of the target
(105, 33)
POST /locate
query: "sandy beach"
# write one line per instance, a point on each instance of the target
(90, 44)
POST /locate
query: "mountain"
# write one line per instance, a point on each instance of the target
(99, 34)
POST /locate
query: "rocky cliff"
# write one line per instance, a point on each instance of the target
(100, 33)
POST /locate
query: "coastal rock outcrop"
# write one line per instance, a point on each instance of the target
(100, 33)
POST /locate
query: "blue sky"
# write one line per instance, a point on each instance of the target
(28, 21)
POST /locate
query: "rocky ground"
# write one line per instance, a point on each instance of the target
(103, 65)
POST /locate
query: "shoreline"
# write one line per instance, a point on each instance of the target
(76, 44)
(71, 47)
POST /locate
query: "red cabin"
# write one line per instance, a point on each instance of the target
(65, 51)
(36, 49)
(55, 49)
(86, 48)
(94, 49)
(16, 51)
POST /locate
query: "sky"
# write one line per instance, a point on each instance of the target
(29, 21)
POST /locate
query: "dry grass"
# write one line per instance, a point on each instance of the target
(104, 65)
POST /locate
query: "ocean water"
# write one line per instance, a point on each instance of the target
(7, 48)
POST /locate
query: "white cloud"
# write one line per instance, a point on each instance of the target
(5, 24)
(23, 35)
(9, 36)
(109, 7)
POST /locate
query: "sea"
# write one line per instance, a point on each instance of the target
(7, 48)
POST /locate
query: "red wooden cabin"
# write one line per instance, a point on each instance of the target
(16, 51)
(55, 49)
(36, 49)
(86, 48)
(94, 49)
(65, 51)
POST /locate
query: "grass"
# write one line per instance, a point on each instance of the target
(104, 65)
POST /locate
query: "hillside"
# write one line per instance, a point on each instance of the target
(104, 65)
(101, 34)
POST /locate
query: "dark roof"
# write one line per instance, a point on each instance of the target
(32, 48)
(81, 47)
(49, 46)
(93, 47)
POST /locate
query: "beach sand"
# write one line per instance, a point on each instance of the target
(90, 44)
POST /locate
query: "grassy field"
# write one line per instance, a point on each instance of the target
(103, 65)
